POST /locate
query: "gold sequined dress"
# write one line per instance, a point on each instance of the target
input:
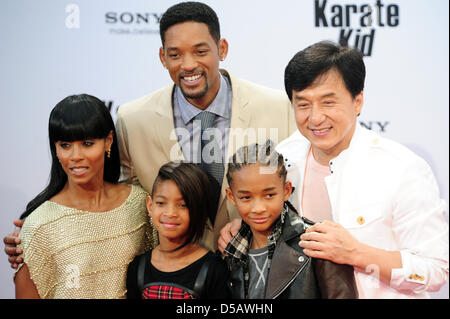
(79, 254)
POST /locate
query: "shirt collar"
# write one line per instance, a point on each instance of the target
(219, 106)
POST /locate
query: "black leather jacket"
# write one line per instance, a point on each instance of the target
(294, 275)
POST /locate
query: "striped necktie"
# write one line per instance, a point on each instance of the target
(211, 154)
(211, 150)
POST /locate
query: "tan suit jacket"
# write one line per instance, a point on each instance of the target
(147, 140)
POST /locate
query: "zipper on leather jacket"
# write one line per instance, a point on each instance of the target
(293, 278)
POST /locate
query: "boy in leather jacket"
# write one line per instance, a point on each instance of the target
(264, 256)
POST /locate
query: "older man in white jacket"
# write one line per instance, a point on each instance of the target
(388, 220)
(376, 203)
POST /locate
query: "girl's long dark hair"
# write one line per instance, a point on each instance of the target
(75, 118)
(195, 187)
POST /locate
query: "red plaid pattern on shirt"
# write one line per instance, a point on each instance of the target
(165, 292)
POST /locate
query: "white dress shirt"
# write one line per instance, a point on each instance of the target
(386, 197)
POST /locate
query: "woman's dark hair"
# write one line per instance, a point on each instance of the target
(319, 58)
(264, 154)
(76, 118)
(194, 186)
(190, 11)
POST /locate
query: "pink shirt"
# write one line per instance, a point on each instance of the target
(315, 201)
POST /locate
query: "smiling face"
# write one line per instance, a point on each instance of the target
(192, 57)
(83, 161)
(169, 212)
(259, 197)
(326, 115)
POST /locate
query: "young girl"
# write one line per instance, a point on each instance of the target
(178, 268)
(264, 256)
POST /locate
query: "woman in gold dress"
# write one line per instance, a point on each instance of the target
(81, 232)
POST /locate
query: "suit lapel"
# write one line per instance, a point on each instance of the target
(165, 127)
(240, 121)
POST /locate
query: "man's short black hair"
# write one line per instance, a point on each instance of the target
(318, 59)
(190, 11)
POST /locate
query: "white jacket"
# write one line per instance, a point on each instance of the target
(386, 197)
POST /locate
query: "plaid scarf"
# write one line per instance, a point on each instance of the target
(239, 246)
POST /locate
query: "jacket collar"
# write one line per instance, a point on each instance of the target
(240, 119)
(352, 148)
(294, 225)
(239, 245)
(165, 127)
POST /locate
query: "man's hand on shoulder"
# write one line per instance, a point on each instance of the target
(11, 241)
(227, 232)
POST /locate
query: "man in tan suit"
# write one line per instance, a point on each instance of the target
(146, 127)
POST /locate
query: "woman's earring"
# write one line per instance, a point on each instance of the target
(108, 153)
